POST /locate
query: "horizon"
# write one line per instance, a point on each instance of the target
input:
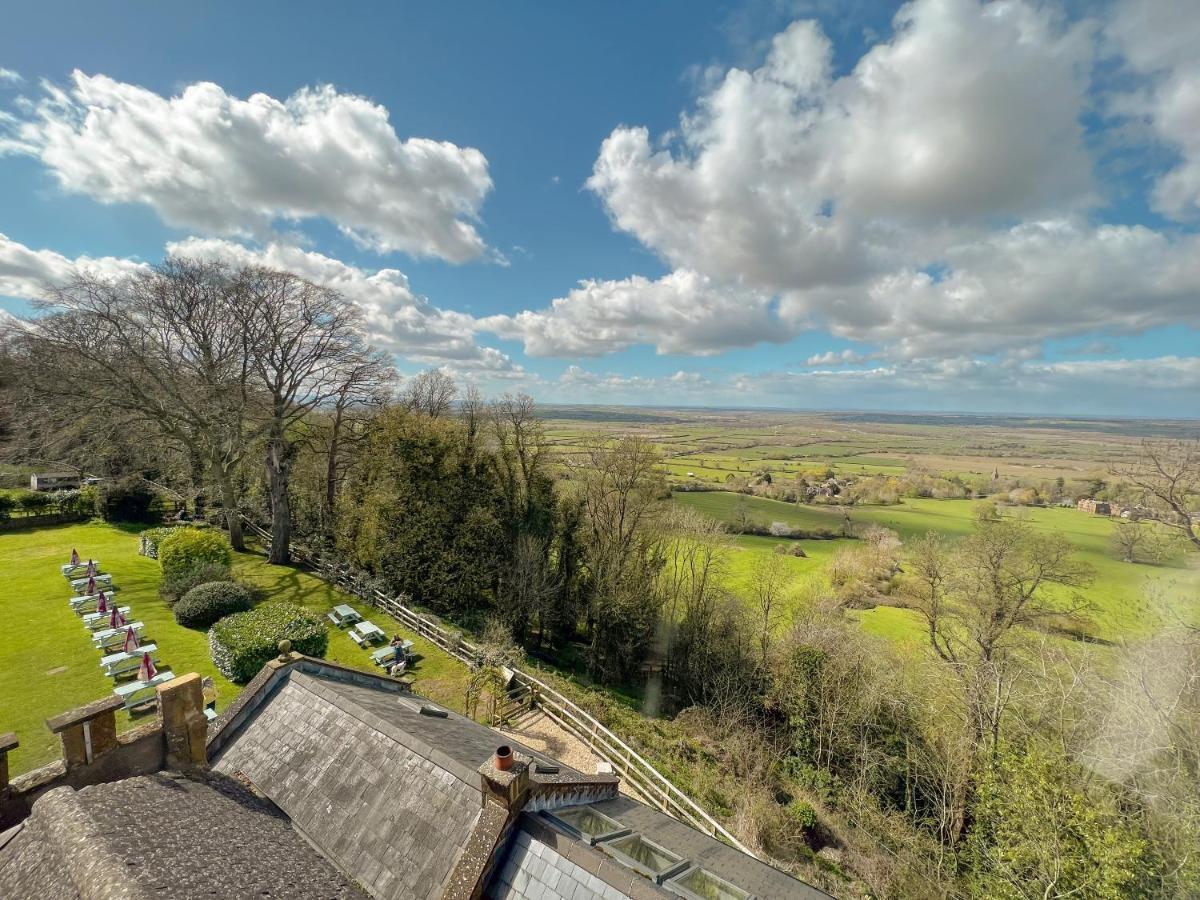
(934, 206)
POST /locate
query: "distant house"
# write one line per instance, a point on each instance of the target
(53, 481)
(1095, 507)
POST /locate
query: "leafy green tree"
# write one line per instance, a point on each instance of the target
(1037, 833)
(422, 512)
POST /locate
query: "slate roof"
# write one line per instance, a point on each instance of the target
(390, 794)
(164, 836)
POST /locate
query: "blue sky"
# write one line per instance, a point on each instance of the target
(937, 205)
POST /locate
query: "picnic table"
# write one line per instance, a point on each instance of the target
(79, 585)
(385, 655)
(133, 693)
(343, 614)
(367, 633)
(118, 663)
(111, 637)
(94, 621)
(87, 602)
(69, 569)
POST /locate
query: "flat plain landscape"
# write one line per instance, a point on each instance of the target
(710, 456)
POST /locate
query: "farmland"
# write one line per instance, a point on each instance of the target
(713, 452)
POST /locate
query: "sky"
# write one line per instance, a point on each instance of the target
(834, 204)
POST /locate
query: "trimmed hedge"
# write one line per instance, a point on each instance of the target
(186, 548)
(243, 643)
(205, 604)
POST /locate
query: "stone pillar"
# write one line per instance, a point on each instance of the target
(88, 731)
(185, 728)
(7, 742)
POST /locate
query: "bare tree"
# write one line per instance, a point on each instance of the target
(431, 392)
(619, 489)
(161, 350)
(365, 386)
(768, 594)
(979, 599)
(1168, 475)
(305, 342)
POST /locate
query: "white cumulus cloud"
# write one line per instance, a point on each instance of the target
(25, 272)
(682, 312)
(936, 199)
(1158, 40)
(207, 160)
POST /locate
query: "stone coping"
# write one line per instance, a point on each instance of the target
(93, 710)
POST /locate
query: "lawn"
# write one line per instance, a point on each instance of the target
(1118, 594)
(48, 665)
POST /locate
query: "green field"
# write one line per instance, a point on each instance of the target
(1118, 593)
(48, 666)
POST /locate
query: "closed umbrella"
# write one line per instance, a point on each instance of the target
(91, 585)
(102, 603)
(91, 568)
(146, 670)
(74, 557)
(131, 641)
(115, 619)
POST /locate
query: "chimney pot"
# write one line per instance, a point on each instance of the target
(504, 757)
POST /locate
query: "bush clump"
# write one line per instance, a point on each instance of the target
(185, 549)
(206, 603)
(243, 643)
(177, 586)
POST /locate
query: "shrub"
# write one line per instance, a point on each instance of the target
(178, 586)
(150, 539)
(206, 603)
(128, 500)
(243, 643)
(186, 548)
(35, 503)
(7, 504)
(802, 815)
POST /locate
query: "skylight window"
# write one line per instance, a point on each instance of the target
(643, 856)
(590, 824)
(700, 884)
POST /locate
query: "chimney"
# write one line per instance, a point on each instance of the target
(7, 742)
(184, 726)
(505, 779)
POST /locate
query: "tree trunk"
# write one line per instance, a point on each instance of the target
(233, 519)
(335, 439)
(279, 465)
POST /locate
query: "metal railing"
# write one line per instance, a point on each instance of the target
(648, 782)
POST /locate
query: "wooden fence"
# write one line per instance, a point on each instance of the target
(648, 783)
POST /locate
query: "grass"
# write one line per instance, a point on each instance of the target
(48, 665)
(1118, 594)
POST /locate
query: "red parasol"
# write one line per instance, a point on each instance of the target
(131, 641)
(74, 557)
(91, 585)
(102, 603)
(146, 670)
(91, 568)
(115, 619)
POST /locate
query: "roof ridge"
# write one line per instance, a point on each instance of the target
(80, 842)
